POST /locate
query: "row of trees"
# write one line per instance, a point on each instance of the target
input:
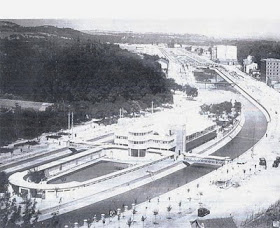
(220, 108)
(28, 123)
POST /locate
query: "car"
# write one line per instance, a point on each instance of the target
(262, 161)
(240, 162)
(201, 212)
(275, 164)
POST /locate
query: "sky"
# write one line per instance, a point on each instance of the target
(219, 18)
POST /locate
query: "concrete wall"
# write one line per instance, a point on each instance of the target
(200, 140)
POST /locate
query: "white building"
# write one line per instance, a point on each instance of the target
(164, 63)
(270, 70)
(225, 54)
(141, 137)
(249, 65)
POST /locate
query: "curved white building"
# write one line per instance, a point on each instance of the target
(141, 137)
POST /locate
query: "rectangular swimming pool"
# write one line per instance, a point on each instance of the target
(93, 171)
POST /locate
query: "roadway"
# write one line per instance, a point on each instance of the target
(253, 130)
(36, 160)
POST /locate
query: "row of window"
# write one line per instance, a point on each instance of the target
(141, 134)
(163, 142)
(121, 137)
(138, 142)
(272, 63)
(155, 141)
(272, 71)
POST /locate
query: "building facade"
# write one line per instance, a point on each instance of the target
(164, 63)
(139, 139)
(270, 70)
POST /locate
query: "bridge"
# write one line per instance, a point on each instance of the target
(206, 160)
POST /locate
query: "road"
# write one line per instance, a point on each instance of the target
(35, 160)
(254, 128)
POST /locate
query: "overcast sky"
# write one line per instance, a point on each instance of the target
(220, 18)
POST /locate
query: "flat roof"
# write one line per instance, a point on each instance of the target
(271, 59)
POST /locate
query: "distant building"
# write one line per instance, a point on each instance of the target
(171, 44)
(249, 66)
(164, 65)
(162, 45)
(177, 45)
(12, 104)
(225, 54)
(200, 50)
(270, 70)
(277, 87)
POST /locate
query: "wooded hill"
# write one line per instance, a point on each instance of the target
(77, 73)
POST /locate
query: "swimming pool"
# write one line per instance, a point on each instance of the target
(90, 172)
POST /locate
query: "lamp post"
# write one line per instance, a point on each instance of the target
(155, 214)
(143, 218)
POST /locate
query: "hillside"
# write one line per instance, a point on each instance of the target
(77, 73)
(12, 30)
(52, 64)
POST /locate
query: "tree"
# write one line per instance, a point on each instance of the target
(3, 182)
(12, 215)
(36, 176)
(190, 91)
(169, 208)
(129, 222)
(133, 213)
(237, 106)
(180, 205)
(30, 215)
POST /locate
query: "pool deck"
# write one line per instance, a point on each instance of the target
(112, 187)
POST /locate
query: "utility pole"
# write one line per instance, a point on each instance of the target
(69, 125)
(120, 112)
(68, 120)
(152, 107)
(72, 124)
